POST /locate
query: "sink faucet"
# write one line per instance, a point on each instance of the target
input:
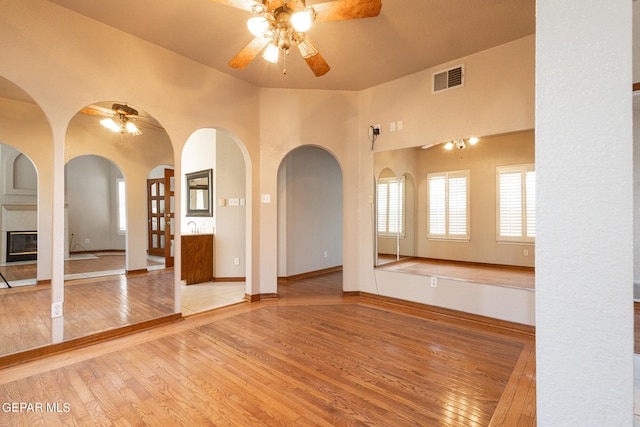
(193, 228)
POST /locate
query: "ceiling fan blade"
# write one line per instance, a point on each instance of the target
(148, 124)
(317, 64)
(250, 51)
(96, 110)
(347, 9)
(238, 4)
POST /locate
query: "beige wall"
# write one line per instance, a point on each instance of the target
(53, 58)
(481, 161)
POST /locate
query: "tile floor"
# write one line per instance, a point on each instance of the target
(207, 296)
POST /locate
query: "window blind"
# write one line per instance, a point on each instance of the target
(122, 206)
(390, 207)
(516, 203)
(448, 205)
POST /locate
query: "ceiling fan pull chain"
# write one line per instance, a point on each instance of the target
(284, 62)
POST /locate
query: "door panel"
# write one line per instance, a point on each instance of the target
(160, 214)
(169, 223)
(155, 216)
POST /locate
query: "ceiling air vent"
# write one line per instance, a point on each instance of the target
(447, 79)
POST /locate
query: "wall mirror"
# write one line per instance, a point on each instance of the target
(395, 206)
(199, 186)
(400, 184)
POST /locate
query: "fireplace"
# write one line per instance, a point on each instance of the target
(22, 245)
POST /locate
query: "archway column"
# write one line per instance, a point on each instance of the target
(584, 225)
(58, 231)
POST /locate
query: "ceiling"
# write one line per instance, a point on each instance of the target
(408, 36)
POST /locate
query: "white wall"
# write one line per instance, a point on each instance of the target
(584, 242)
(230, 185)
(199, 153)
(92, 204)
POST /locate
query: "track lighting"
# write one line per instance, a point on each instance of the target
(460, 144)
(457, 143)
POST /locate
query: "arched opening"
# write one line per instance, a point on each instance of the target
(25, 257)
(95, 208)
(310, 214)
(106, 217)
(395, 216)
(214, 247)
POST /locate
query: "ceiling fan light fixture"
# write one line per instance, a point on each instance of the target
(307, 49)
(132, 128)
(271, 53)
(448, 145)
(302, 20)
(110, 124)
(473, 140)
(257, 25)
(257, 8)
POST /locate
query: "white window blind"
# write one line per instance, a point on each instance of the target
(516, 203)
(449, 205)
(122, 206)
(390, 206)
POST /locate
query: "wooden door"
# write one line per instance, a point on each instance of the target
(160, 214)
(169, 202)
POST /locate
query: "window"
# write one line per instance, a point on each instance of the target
(448, 205)
(390, 206)
(516, 213)
(122, 205)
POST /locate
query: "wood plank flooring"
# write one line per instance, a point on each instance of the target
(521, 277)
(102, 261)
(90, 306)
(311, 357)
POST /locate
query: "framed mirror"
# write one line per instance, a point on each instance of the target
(199, 193)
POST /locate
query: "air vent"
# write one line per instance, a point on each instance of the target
(448, 79)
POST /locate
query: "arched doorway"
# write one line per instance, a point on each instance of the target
(106, 217)
(214, 170)
(310, 214)
(25, 153)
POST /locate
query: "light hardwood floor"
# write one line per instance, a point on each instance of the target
(311, 357)
(520, 277)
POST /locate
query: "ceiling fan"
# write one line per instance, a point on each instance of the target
(121, 118)
(280, 24)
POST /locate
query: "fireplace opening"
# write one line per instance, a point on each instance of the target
(22, 246)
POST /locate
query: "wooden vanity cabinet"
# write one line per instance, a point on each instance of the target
(197, 258)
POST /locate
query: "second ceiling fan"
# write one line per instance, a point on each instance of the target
(279, 25)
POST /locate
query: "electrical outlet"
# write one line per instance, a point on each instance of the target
(526, 252)
(56, 309)
(86, 241)
(434, 282)
(326, 254)
(236, 261)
